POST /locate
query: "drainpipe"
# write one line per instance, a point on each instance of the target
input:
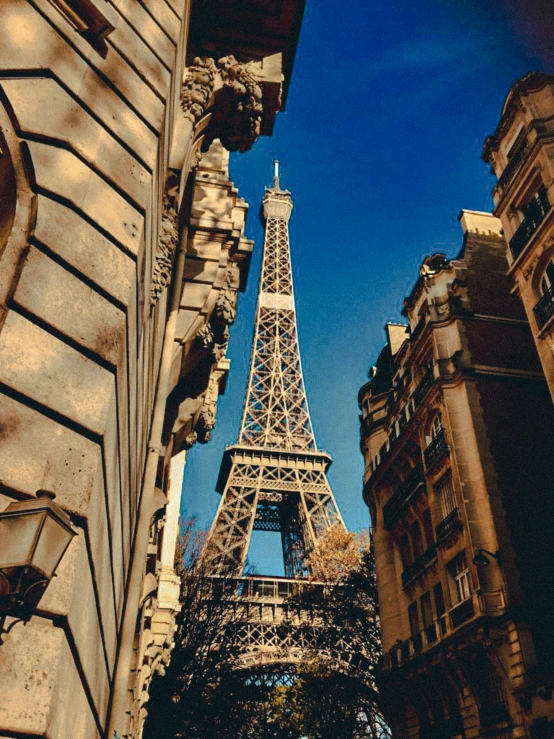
(120, 687)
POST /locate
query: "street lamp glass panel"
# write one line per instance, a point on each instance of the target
(52, 543)
(17, 538)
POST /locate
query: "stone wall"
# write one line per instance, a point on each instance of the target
(106, 110)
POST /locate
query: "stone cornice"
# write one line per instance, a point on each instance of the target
(531, 82)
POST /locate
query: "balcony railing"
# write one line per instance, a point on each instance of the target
(425, 384)
(450, 524)
(520, 150)
(534, 214)
(403, 494)
(420, 565)
(418, 328)
(544, 309)
(462, 613)
(436, 449)
(489, 603)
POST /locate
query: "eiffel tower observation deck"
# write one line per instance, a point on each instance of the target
(274, 478)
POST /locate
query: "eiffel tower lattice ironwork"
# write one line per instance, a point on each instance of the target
(274, 477)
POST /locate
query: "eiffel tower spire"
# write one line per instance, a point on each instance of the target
(274, 478)
(276, 409)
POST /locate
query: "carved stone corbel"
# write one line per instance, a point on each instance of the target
(232, 91)
(243, 122)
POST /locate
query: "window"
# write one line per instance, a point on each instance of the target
(447, 496)
(426, 609)
(417, 639)
(417, 540)
(428, 527)
(414, 619)
(460, 577)
(437, 426)
(435, 430)
(547, 281)
(439, 600)
(405, 551)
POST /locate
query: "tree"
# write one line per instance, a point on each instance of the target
(198, 696)
(338, 554)
(334, 695)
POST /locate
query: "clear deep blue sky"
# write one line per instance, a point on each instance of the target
(380, 145)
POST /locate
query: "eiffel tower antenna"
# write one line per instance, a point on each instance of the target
(274, 478)
(276, 175)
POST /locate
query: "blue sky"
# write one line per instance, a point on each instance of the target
(380, 145)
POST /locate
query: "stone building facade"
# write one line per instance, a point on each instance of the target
(521, 154)
(122, 251)
(457, 432)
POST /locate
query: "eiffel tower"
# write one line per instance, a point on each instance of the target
(274, 477)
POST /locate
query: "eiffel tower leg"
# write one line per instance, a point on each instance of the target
(293, 538)
(319, 505)
(227, 544)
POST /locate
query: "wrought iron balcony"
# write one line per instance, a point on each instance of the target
(462, 613)
(420, 565)
(403, 494)
(520, 150)
(449, 525)
(425, 384)
(418, 328)
(441, 628)
(436, 449)
(534, 214)
(544, 309)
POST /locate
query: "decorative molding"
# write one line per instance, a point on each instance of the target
(225, 310)
(167, 242)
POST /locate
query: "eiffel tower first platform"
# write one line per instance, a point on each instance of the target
(274, 478)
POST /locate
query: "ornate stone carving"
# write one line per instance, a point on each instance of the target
(198, 88)
(528, 271)
(205, 337)
(206, 419)
(239, 113)
(167, 241)
(225, 310)
(242, 124)
(190, 440)
(220, 346)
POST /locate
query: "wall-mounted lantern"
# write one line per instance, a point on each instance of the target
(34, 536)
(483, 557)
